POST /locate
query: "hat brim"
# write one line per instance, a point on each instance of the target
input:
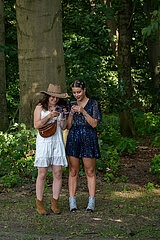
(59, 95)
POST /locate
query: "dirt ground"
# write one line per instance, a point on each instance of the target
(125, 210)
(137, 166)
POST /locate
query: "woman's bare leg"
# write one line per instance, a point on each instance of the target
(74, 165)
(89, 165)
(57, 180)
(40, 183)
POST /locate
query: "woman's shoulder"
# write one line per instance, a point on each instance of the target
(39, 108)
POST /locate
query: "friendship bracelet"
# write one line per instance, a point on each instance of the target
(70, 114)
(85, 114)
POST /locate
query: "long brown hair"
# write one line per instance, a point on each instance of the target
(44, 102)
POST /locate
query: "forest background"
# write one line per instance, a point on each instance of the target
(112, 45)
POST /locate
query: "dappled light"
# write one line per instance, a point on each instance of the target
(128, 194)
(113, 46)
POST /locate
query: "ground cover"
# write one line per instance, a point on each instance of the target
(124, 210)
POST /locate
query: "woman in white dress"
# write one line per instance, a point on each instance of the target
(50, 151)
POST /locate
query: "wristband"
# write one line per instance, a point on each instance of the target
(70, 114)
(85, 114)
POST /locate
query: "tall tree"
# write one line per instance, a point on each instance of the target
(124, 64)
(40, 51)
(3, 109)
(152, 10)
(122, 52)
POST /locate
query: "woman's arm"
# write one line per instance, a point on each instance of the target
(93, 122)
(38, 122)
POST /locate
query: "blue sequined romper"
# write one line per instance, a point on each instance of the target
(82, 139)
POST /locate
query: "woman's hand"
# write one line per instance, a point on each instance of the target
(38, 122)
(54, 114)
(76, 108)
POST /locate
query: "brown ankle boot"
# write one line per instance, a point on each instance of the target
(54, 206)
(40, 207)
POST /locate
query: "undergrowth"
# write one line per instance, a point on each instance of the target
(18, 146)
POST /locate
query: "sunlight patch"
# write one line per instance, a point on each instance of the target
(116, 220)
(128, 194)
(97, 219)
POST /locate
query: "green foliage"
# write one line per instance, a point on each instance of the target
(110, 135)
(155, 165)
(153, 27)
(11, 52)
(17, 150)
(89, 55)
(156, 140)
(84, 45)
(112, 162)
(147, 123)
(150, 186)
(127, 145)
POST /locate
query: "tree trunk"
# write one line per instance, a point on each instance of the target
(40, 52)
(124, 65)
(113, 29)
(153, 43)
(4, 122)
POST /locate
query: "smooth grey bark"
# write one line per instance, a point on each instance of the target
(4, 122)
(40, 52)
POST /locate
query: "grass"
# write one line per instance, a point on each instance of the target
(122, 212)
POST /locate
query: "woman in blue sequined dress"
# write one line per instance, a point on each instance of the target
(82, 142)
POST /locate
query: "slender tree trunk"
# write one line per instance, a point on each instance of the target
(153, 43)
(40, 51)
(124, 64)
(3, 109)
(121, 51)
(113, 29)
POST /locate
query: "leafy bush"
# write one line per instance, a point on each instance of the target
(126, 145)
(109, 160)
(110, 134)
(111, 145)
(147, 123)
(156, 140)
(17, 150)
(155, 165)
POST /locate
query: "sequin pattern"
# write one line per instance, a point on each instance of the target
(82, 139)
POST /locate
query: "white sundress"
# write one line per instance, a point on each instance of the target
(50, 151)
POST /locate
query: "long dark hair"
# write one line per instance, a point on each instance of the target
(44, 102)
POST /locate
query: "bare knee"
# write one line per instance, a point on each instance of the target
(57, 175)
(42, 175)
(73, 172)
(90, 172)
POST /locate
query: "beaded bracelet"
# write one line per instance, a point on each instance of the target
(70, 114)
(85, 114)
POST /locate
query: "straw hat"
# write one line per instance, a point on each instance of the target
(55, 91)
